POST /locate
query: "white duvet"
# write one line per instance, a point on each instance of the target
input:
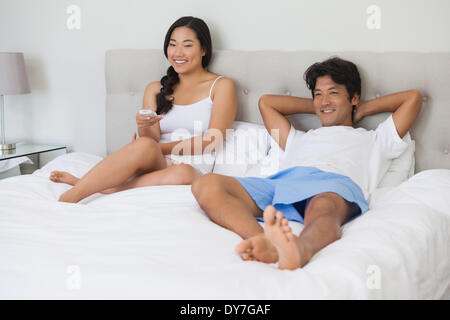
(156, 243)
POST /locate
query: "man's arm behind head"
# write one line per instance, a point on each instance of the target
(405, 106)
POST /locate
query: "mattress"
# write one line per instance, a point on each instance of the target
(156, 243)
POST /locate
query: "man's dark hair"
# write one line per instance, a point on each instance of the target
(341, 71)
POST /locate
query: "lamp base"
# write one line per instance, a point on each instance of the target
(7, 146)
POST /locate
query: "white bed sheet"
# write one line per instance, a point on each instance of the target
(156, 243)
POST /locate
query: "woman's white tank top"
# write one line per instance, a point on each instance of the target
(185, 121)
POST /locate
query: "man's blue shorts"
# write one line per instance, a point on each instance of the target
(290, 190)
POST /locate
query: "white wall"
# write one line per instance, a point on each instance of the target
(66, 67)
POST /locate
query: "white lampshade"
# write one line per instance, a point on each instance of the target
(13, 76)
(13, 80)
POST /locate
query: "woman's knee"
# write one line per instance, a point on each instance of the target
(143, 145)
(181, 174)
(146, 151)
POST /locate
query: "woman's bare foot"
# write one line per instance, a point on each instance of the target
(63, 177)
(70, 195)
(257, 248)
(292, 253)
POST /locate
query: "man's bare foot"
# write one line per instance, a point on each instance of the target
(63, 177)
(257, 248)
(292, 253)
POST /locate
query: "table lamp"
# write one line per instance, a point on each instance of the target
(13, 80)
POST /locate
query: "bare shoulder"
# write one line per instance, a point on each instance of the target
(153, 88)
(223, 85)
(224, 82)
(150, 93)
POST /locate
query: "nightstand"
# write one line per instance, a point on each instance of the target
(39, 154)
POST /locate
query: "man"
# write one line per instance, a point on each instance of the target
(327, 174)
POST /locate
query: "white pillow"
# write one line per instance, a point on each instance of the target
(246, 145)
(270, 164)
(401, 168)
(259, 157)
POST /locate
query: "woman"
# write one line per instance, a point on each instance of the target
(186, 96)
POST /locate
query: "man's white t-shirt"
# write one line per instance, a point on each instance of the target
(360, 154)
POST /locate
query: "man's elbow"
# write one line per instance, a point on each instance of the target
(262, 103)
(417, 97)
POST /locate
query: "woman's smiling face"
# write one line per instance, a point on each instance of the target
(184, 51)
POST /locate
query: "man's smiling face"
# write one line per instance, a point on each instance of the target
(332, 103)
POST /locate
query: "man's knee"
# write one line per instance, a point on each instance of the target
(326, 204)
(205, 186)
(323, 202)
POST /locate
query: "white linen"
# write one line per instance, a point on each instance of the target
(246, 145)
(156, 243)
(401, 168)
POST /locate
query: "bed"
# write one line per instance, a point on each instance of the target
(156, 242)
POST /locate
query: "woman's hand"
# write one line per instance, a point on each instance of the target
(143, 121)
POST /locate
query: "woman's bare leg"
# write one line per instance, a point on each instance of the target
(67, 178)
(177, 174)
(141, 155)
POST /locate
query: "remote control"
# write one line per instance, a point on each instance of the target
(148, 113)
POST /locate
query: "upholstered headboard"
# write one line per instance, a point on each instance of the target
(255, 73)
